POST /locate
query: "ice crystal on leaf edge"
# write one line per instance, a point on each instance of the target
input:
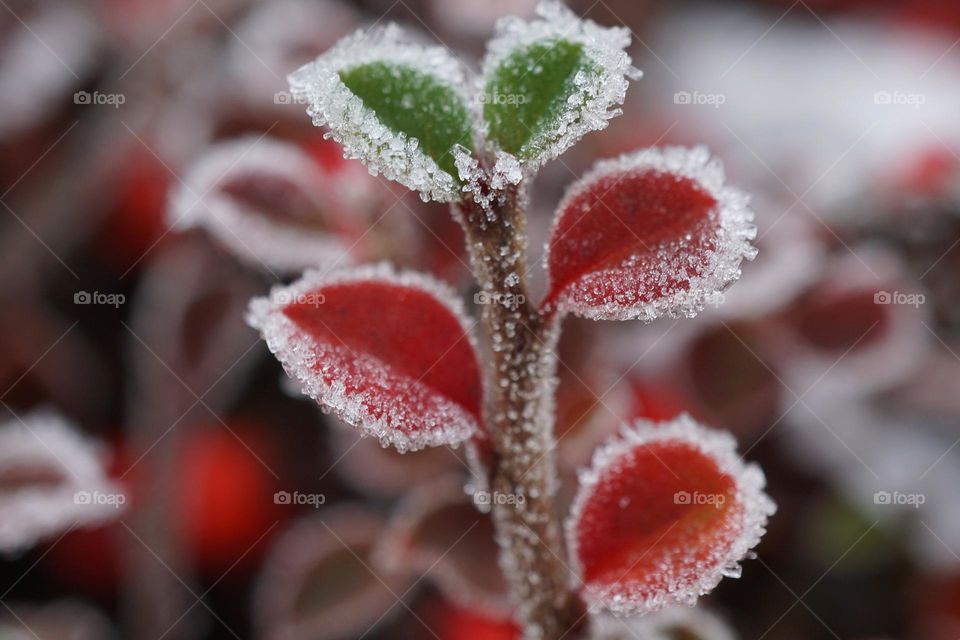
(355, 126)
(590, 104)
(735, 230)
(443, 422)
(720, 448)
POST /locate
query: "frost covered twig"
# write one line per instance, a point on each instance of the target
(650, 234)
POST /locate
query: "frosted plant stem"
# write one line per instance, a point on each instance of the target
(521, 383)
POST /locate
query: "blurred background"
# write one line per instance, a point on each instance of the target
(159, 478)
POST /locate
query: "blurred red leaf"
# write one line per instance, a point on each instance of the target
(439, 532)
(317, 583)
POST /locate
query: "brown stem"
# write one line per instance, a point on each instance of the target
(520, 417)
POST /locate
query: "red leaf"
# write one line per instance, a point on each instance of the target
(652, 233)
(664, 513)
(390, 353)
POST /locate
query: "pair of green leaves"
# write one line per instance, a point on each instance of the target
(407, 110)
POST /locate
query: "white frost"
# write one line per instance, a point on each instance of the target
(755, 507)
(355, 126)
(735, 230)
(590, 104)
(74, 489)
(261, 241)
(666, 624)
(410, 415)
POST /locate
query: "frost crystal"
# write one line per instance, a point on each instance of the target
(599, 80)
(694, 510)
(51, 479)
(666, 624)
(652, 233)
(363, 134)
(389, 353)
(266, 201)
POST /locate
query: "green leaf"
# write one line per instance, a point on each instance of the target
(549, 81)
(398, 106)
(415, 104)
(527, 94)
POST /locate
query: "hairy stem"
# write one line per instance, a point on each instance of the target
(520, 417)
